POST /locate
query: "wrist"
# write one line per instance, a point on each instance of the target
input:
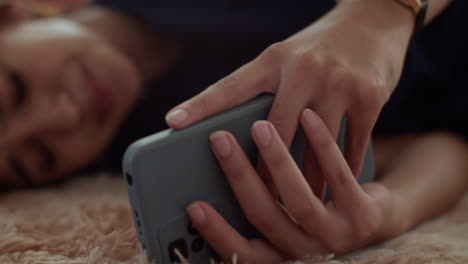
(384, 14)
(152, 54)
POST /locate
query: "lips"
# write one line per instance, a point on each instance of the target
(101, 99)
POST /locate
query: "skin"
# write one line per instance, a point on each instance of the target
(356, 76)
(356, 216)
(57, 113)
(323, 68)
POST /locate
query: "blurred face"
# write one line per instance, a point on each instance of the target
(63, 94)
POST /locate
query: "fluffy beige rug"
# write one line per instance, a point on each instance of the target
(88, 221)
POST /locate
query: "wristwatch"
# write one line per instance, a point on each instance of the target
(419, 8)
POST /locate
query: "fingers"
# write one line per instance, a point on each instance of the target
(225, 240)
(220, 235)
(264, 174)
(285, 118)
(358, 132)
(295, 192)
(313, 174)
(238, 87)
(265, 213)
(285, 115)
(304, 225)
(345, 189)
(332, 117)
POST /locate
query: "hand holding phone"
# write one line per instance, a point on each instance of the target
(167, 171)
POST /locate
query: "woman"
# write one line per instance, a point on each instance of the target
(68, 85)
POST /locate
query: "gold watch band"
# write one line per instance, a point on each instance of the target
(414, 5)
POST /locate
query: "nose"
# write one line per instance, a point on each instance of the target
(50, 116)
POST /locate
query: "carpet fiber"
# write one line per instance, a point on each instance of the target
(88, 221)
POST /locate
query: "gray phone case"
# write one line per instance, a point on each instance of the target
(167, 171)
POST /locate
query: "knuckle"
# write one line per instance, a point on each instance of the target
(342, 175)
(309, 60)
(372, 94)
(277, 50)
(364, 228)
(365, 221)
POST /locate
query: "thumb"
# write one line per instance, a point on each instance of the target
(243, 84)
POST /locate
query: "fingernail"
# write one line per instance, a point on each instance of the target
(309, 118)
(221, 144)
(262, 133)
(177, 117)
(196, 214)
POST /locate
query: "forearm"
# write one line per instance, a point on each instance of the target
(426, 179)
(152, 53)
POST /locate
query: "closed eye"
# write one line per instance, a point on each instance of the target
(48, 162)
(20, 170)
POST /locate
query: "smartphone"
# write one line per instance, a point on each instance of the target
(167, 171)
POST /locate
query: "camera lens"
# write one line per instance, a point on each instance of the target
(191, 229)
(129, 179)
(181, 245)
(198, 244)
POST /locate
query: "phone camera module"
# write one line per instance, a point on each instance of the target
(129, 179)
(181, 245)
(198, 244)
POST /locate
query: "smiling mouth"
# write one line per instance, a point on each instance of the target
(101, 101)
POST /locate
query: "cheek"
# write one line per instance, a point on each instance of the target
(80, 150)
(117, 71)
(119, 74)
(90, 139)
